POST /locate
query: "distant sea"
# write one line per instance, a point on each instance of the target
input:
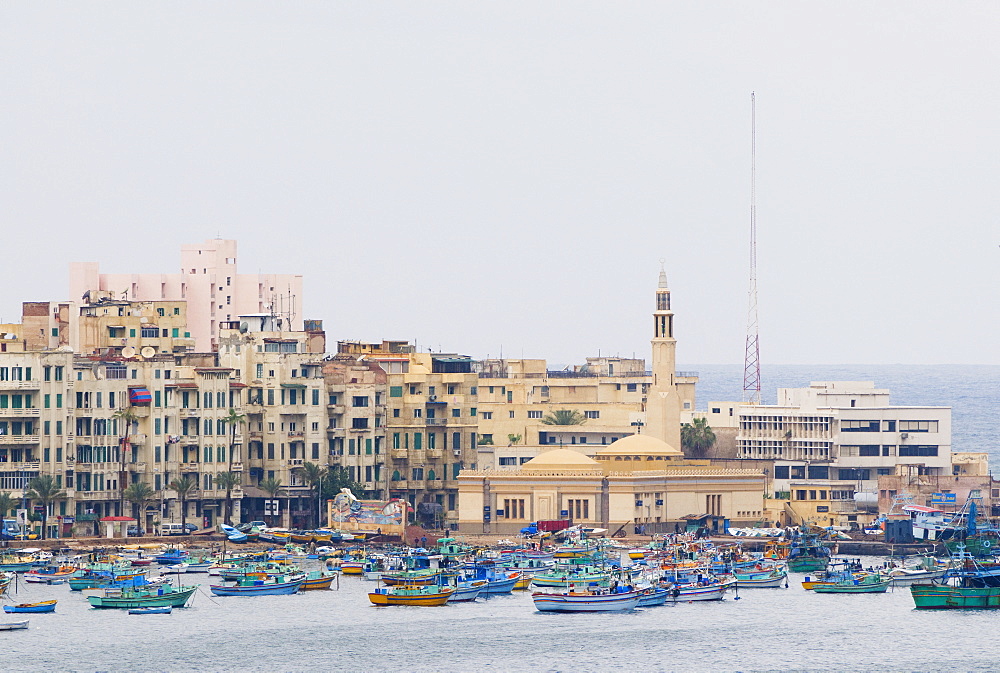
(972, 392)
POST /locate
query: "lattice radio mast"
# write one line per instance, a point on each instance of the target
(751, 362)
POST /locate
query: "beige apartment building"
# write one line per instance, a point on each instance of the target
(431, 424)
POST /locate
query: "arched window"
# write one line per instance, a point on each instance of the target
(430, 475)
(395, 475)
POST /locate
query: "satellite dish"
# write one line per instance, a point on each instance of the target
(244, 327)
(148, 352)
(128, 352)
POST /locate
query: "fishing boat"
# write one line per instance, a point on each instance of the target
(189, 567)
(14, 564)
(761, 579)
(352, 567)
(585, 601)
(318, 579)
(968, 584)
(870, 583)
(280, 585)
(44, 606)
(467, 591)
(232, 534)
(407, 577)
(13, 626)
(43, 575)
(150, 611)
(143, 597)
(415, 595)
(652, 597)
(171, 557)
(808, 553)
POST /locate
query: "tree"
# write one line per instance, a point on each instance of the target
(7, 503)
(338, 478)
(234, 420)
(228, 481)
(313, 475)
(513, 439)
(697, 437)
(564, 417)
(139, 494)
(272, 487)
(45, 490)
(183, 487)
(127, 417)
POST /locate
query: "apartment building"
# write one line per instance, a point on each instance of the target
(209, 282)
(356, 393)
(431, 424)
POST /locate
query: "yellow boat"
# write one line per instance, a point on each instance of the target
(352, 567)
(411, 595)
(523, 583)
(318, 580)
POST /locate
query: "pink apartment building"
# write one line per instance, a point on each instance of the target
(208, 282)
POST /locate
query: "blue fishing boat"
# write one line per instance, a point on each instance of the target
(233, 534)
(652, 597)
(171, 557)
(261, 586)
(44, 606)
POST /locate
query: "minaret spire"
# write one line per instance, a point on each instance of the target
(662, 401)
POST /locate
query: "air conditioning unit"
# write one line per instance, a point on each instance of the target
(432, 398)
(659, 503)
(638, 503)
(904, 435)
(457, 452)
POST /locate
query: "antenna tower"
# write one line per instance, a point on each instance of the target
(751, 362)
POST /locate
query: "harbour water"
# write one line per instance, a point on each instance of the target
(767, 629)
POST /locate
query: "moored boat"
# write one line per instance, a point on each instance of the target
(150, 611)
(318, 579)
(414, 595)
(43, 606)
(871, 583)
(142, 597)
(278, 585)
(585, 601)
(13, 626)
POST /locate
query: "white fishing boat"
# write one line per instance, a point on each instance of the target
(13, 626)
(585, 601)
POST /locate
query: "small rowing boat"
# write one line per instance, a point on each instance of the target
(44, 606)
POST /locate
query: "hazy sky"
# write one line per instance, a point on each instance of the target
(507, 174)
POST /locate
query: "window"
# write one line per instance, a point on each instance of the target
(417, 413)
(859, 426)
(513, 508)
(630, 387)
(854, 474)
(395, 391)
(456, 413)
(472, 411)
(395, 413)
(512, 414)
(592, 414)
(486, 415)
(532, 414)
(359, 401)
(579, 509)
(452, 389)
(359, 423)
(781, 472)
(819, 472)
(910, 451)
(918, 426)
(508, 461)
(869, 450)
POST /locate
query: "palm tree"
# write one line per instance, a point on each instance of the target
(228, 481)
(44, 489)
(139, 494)
(7, 503)
(272, 487)
(513, 439)
(183, 487)
(126, 417)
(564, 417)
(697, 437)
(233, 419)
(313, 475)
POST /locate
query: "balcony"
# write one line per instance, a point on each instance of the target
(256, 434)
(19, 413)
(19, 385)
(336, 432)
(189, 413)
(336, 409)
(137, 438)
(295, 462)
(26, 466)
(237, 467)
(296, 435)
(189, 467)
(437, 422)
(434, 399)
(18, 439)
(434, 453)
(398, 453)
(138, 467)
(402, 484)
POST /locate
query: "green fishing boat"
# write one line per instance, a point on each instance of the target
(142, 597)
(872, 583)
(943, 597)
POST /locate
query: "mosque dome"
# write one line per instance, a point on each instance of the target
(561, 459)
(640, 445)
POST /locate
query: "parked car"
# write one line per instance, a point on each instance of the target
(190, 527)
(135, 531)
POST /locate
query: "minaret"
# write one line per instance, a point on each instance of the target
(663, 413)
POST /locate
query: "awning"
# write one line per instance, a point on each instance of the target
(452, 360)
(237, 384)
(293, 385)
(117, 518)
(139, 397)
(186, 385)
(921, 509)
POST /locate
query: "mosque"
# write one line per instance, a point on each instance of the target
(642, 480)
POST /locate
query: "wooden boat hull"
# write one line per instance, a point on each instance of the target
(552, 602)
(807, 564)
(938, 597)
(14, 626)
(313, 583)
(150, 611)
(351, 568)
(176, 599)
(428, 599)
(911, 578)
(653, 598)
(393, 579)
(44, 606)
(859, 588)
(276, 589)
(761, 581)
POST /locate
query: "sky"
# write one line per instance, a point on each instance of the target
(495, 178)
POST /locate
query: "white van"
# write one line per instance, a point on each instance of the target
(172, 529)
